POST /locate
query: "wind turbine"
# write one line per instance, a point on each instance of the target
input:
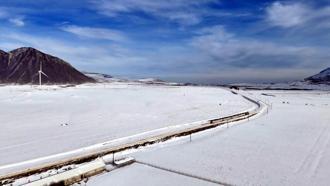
(41, 73)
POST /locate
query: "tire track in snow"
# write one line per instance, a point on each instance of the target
(315, 155)
(321, 152)
(183, 173)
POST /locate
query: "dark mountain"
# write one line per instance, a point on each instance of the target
(21, 66)
(321, 78)
(3, 64)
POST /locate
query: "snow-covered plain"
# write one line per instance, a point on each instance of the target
(137, 174)
(37, 123)
(288, 146)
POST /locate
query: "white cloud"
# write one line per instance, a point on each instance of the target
(217, 32)
(185, 12)
(96, 33)
(11, 16)
(235, 51)
(117, 6)
(323, 12)
(183, 18)
(17, 21)
(287, 15)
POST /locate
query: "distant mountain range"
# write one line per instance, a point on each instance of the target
(320, 81)
(105, 78)
(321, 78)
(21, 66)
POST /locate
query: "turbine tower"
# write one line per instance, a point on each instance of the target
(41, 73)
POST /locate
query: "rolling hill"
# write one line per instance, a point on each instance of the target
(21, 66)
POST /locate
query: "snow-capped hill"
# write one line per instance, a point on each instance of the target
(103, 78)
(22, 65)
(321, 78)
(97, 75)
(295, 85)
(155, 81)
(151, 80)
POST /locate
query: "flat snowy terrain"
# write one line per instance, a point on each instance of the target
(37, 123)
(137, 174)
(288, 146)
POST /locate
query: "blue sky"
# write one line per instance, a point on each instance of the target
(207, 41)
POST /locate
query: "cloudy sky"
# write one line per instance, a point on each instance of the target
(209, 41)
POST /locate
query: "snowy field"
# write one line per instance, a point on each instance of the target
(137, 174)
(37, 123)
(288, 146)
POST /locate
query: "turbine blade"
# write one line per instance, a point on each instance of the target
(43, 73)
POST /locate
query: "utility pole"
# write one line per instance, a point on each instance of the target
(220, 108)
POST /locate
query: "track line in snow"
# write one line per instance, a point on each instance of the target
(315, 154)
(183, 173)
